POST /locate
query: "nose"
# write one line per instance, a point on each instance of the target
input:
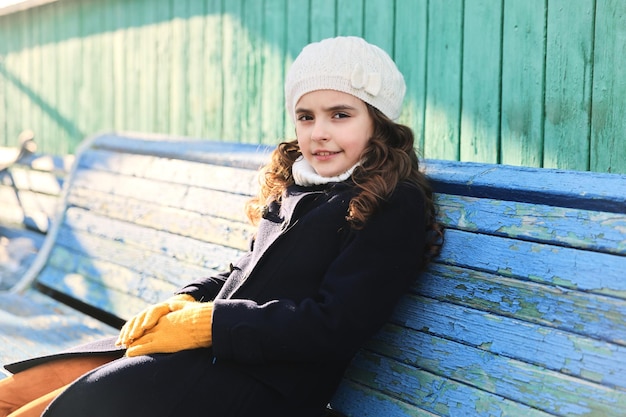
(319, 131)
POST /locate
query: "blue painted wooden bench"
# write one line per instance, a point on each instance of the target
(30, 185)
(523, 314)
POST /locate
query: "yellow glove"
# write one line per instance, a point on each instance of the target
(187, 328)
(138, 325)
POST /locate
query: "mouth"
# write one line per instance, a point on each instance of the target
(324, 153)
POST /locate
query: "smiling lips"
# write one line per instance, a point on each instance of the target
(324, 154)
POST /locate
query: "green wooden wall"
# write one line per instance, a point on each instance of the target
(524, 82)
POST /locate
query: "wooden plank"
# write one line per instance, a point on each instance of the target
(106, 275)
(33, 210)
(568, 84)
(608, 126)
(178, 89)
(173, 192)
(178, 248)
(24, 73)
(214, 71)
(585, 229)
(555, 265)
(34, 71)
(523, 384)
(10, 67)
(104, 284)
(350, 17)
(443, 72)
(249, 156)
(233, 68)
(119, 304)
(428, 391)
(298, 27)
(68, 54)
(18, 248)
(200, 201)
(16, 233)
(323, 19)
(588, 191)
(352, 399)
(195, 67)
(128, 167)
(222, 231)
(481, 81)
(250, 111)
(379, 25)
(50, 127)
(523, 59)
(553, 333)
(143, 42)
(103, 32)
(33, 325)
(37, 181)
(274, 37)
(411, 29)
(5, 36)
(163, 34)
(59, 165)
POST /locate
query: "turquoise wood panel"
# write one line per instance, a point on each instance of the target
(298, 27)
(273, 68)
(523, 82)
(379, 24)
(608, 126)
(350, 17)
(323, 15)
(443, 87)
(412, 16)
(568, 83)
(481, 79)
(523, 59)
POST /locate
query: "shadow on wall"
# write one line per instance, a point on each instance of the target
(47, 107)
(164, 67)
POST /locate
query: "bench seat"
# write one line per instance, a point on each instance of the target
(34, 324)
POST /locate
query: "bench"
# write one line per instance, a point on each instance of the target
(30, 185)
(523, 314)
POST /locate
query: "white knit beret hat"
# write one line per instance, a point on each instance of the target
(351, 65)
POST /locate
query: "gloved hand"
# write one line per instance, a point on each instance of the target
(187, 328)
(138, 325)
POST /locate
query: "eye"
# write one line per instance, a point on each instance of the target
(303, 117)
(340, 115)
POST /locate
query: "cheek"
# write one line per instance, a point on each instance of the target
(301, 142)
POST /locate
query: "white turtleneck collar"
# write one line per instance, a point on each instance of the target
(305, 175)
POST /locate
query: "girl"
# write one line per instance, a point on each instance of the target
(345, 223)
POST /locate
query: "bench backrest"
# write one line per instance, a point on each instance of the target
(523, 314)
(144, 215)
(30, 186)
(29, 190)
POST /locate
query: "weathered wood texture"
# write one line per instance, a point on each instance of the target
(523, 82)
(139, 218)
(523, 314)
(29, 193)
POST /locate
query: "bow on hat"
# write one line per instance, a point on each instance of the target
(370, 82)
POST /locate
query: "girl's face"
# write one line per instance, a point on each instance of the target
(333, 129)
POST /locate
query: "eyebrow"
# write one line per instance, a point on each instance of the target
(338, 107)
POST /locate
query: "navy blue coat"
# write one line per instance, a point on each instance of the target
(293, 311)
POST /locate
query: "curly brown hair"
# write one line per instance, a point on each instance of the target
(389, 158)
